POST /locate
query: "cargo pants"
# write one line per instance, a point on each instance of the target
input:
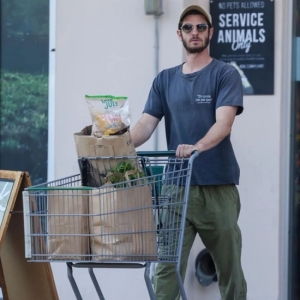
(212, 212)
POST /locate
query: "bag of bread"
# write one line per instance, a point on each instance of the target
(110, 114)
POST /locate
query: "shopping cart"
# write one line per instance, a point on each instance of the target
(119, 212)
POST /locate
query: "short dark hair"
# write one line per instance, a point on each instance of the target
(193, 12)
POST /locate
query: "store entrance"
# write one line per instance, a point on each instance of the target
(294, 282)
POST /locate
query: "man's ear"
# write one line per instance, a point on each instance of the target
(211, 32)
(179, 35)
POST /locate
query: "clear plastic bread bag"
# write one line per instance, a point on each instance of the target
(110, 114)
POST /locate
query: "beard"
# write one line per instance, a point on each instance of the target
(196, 49)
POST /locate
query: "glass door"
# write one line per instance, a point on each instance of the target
(294, 252)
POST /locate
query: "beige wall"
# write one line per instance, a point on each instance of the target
(107, 47)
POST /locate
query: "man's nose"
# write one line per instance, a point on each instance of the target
(194, 30)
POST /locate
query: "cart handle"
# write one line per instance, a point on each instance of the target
(156, 153)
(162, 153)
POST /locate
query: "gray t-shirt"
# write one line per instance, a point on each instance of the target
(189, 102)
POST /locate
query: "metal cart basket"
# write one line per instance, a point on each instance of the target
(119, 212)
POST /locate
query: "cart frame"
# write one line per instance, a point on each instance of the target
(72, 182)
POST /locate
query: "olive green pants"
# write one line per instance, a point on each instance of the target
(212, 212)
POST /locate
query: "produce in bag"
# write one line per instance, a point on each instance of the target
(117, 174)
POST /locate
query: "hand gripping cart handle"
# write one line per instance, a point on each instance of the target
(119, 212)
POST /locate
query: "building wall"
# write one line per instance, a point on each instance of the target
(107, 47)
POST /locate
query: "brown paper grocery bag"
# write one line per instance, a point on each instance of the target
(107, 145)
(68, 225)
(38, 239)
(122, 225)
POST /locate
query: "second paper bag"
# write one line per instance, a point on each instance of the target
(121, 224)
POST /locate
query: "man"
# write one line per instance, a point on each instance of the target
(199, 100)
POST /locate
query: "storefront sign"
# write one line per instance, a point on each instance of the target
(244, 37)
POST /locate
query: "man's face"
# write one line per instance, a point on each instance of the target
(195, 41)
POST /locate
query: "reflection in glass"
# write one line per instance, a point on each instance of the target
(5, 191)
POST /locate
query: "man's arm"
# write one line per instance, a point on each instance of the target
(143, 129)
(224, 120)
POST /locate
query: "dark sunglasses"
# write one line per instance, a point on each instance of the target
(187, 28)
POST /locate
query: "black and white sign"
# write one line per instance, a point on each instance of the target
(244, 37)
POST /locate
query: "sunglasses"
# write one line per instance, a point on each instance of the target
(187, 28)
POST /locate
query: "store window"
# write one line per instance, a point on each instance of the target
(24, 60)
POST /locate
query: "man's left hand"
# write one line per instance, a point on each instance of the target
(185, 150)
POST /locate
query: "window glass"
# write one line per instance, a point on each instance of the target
(294, 264)
(24, 87)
